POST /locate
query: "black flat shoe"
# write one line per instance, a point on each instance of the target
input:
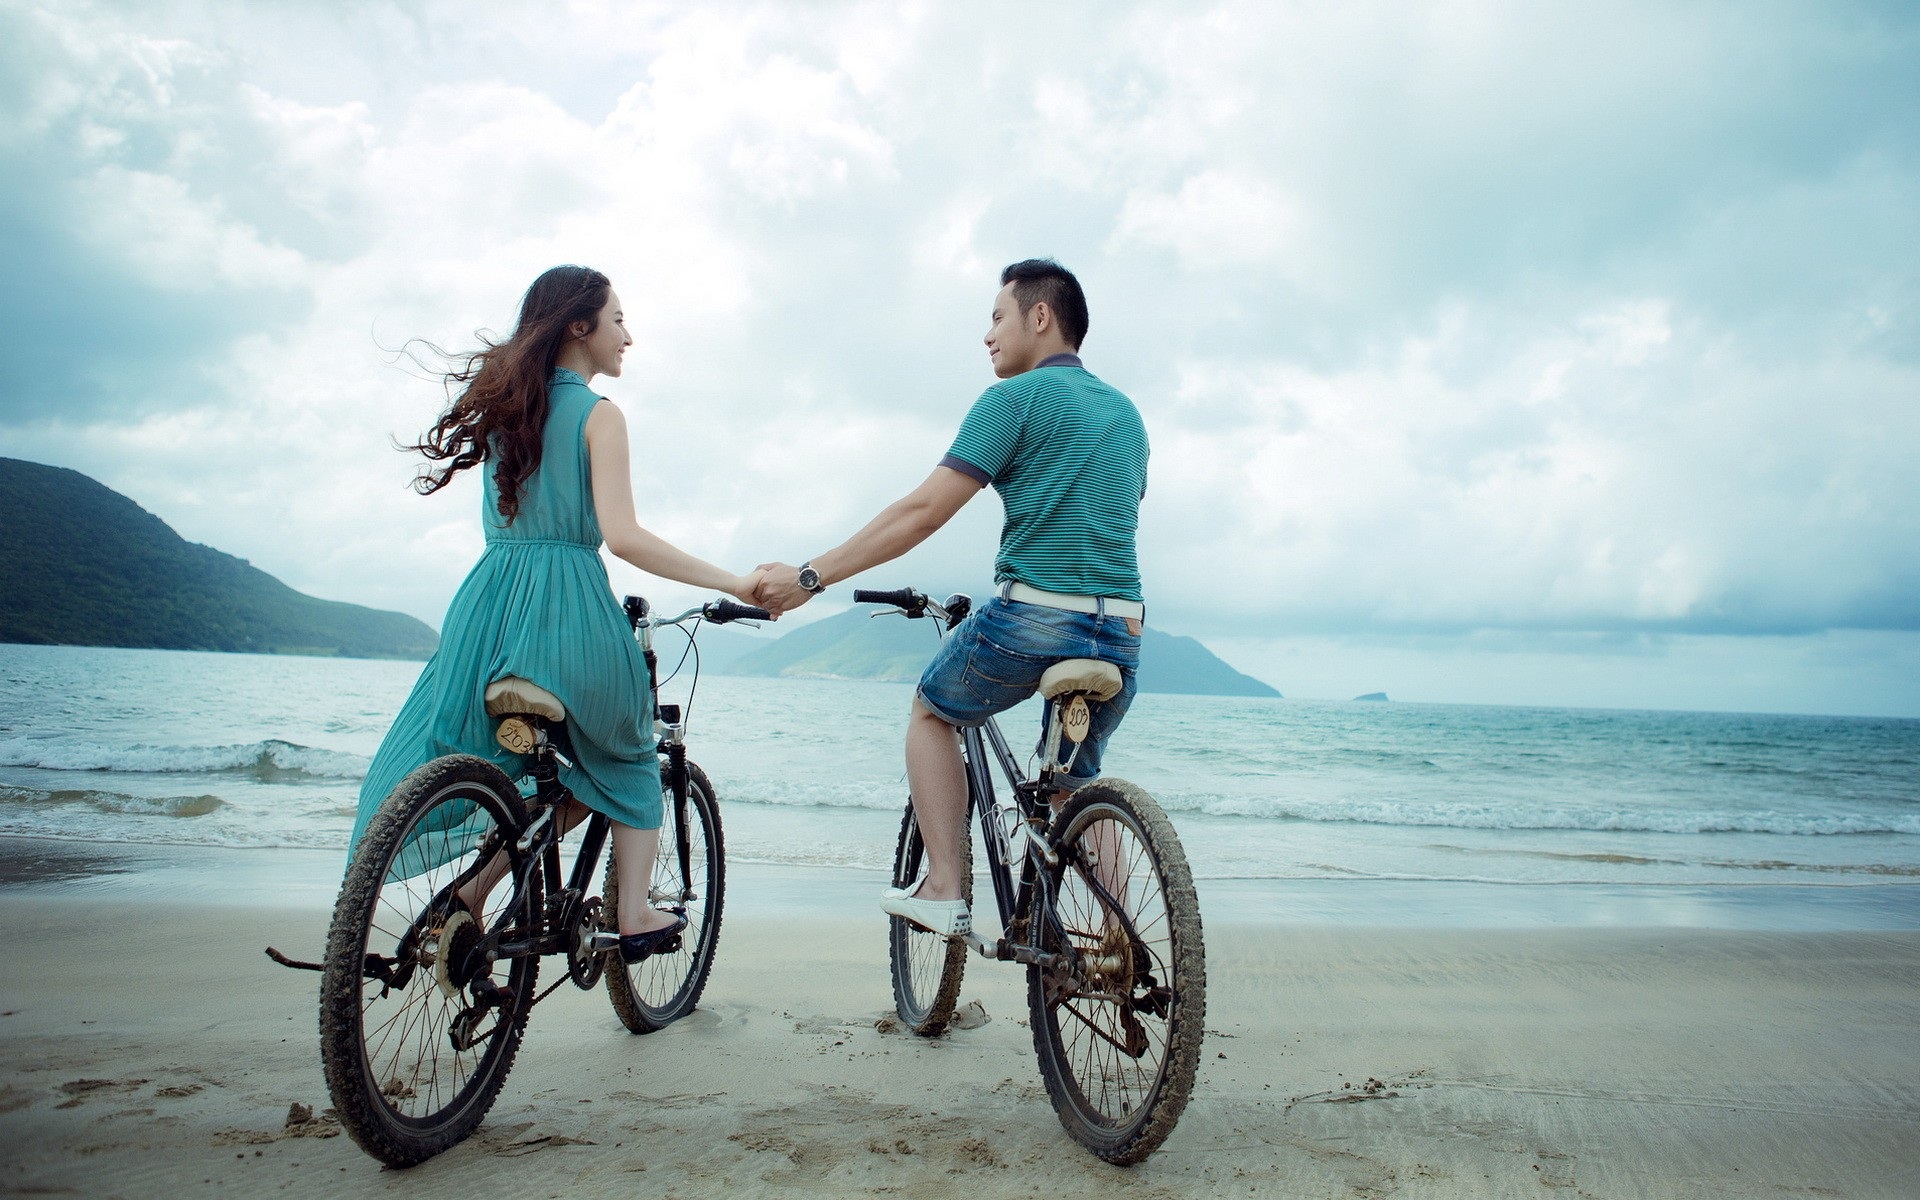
(634, 947)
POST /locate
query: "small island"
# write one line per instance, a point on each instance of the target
(1379, 696)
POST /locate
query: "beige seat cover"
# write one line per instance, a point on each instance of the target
(516, 695)
(1101, 680)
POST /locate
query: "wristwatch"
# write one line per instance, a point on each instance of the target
(810, 579)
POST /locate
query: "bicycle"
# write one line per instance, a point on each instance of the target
(1104, 916)
(423, 1003)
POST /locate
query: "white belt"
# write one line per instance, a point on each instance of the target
(1099, 606)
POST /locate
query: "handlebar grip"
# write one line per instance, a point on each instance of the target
(722, 611)
(905, 598)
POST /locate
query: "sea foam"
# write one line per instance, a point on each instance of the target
(268, 759)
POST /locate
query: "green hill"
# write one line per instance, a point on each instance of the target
(85, 566)
(858, 645)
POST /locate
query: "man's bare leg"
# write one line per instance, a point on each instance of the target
(1101, 843)
(937, 777)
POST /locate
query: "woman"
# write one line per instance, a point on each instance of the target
(538, 603)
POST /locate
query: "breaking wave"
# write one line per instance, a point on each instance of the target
(268, 760)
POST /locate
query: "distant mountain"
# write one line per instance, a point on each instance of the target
(1171, 663)
(859, 645)
(85, 566)
(865, 643)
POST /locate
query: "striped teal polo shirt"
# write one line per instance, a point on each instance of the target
(1068, 455)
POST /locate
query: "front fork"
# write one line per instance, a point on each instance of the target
(673, 738)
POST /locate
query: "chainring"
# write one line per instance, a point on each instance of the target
(584, 963)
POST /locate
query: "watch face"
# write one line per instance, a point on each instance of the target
(809, 579)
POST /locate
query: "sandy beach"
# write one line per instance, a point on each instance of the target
(150, 1049)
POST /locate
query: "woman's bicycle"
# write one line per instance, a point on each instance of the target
(1097, 901)
(422, 1002)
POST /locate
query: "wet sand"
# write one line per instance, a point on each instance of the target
(150, 1048)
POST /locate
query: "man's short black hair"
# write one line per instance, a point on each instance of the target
(1037, 279)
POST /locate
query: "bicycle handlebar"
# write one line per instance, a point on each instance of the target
(723, 610)
(912, 602)
(714, 612)
(915, 603)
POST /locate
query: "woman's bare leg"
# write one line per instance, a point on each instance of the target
(633, 854)
(474, 892)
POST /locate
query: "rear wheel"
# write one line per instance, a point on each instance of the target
(1118, 1016)
(927, 968)
(417, 1028)
(655, 992)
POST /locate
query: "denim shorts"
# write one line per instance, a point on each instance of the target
(995, 658)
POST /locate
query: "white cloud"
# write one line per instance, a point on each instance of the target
(1215, 221)
(1657, 487)
(1469, 317)
(178, 241)
(950, 242)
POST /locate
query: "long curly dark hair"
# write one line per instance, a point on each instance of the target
(501, 411)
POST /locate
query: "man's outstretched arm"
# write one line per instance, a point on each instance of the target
(900, 527)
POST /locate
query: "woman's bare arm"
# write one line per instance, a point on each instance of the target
(613, 505)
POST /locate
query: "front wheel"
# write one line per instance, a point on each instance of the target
(417, 1026)
(927, 968)
(655, 992)
(1119, 1011)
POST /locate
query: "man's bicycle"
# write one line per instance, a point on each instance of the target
(1097, 901)
(423, 1002)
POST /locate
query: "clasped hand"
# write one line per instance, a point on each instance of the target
(779, 588)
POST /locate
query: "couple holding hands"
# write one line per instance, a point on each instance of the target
(1066, 452)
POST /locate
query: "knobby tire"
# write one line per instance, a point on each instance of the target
(400, 1086)
(1119, 1105)
(927, 968)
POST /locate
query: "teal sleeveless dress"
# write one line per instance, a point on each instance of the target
(538, 604)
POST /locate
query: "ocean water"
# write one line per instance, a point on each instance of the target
(244, 751)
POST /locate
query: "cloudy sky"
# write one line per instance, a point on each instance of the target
(1494, 353)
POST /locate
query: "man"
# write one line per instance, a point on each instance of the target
(1068, 455)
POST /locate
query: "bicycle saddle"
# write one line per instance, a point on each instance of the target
(1101, 680)
(516, 695)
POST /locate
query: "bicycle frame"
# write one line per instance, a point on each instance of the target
(547, 933)
(1022, 820)
(1100, 908)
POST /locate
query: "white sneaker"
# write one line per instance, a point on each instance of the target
(946, 918)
